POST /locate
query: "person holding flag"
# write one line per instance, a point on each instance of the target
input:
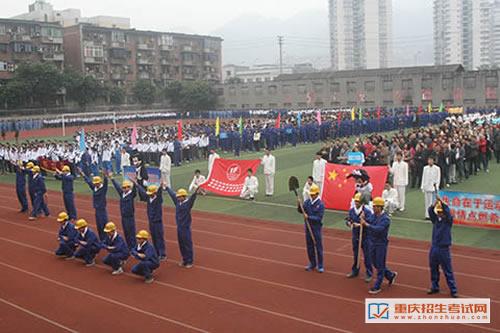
(211, 159)
(67, 180)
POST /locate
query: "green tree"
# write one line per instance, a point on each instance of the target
(173, 92)
(42, 81)
(13, 94)
(191, 95)
(144, 92)
(81, 89)
(116, 95)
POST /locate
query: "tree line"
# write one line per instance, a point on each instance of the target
(43, 85)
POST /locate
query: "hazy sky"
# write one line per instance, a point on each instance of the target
(197, 16)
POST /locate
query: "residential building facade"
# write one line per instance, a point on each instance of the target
(262, 73)
(360, 34)
(390, 87)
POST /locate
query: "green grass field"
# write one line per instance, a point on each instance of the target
(298, 162)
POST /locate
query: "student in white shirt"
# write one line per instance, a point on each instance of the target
(399, 172)
(250, 187)
(198, 179)
(318, 171)
(211, 159)
(165, 168)
(125, 159)
(269, 164)
(431, 178)
(390, 196)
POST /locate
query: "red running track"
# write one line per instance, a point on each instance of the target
(248, 277)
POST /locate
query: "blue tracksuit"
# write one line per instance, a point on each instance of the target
(439, 254)
(87, 251)
(118, 252)
(155, 218)
(21, 189)
(315, 210)
(67, 247)
(68, 196)
(354, 218)
(127, 211)
(377, 232)
(39, 189)
(31, 192)
(183, 221)
(148, 264)
(99, 203)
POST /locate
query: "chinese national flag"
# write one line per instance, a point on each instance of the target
(277, 124)
(338, 190)
(179, 130)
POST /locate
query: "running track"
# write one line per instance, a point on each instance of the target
(248, 277)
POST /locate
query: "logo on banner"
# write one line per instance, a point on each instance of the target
(233, 172)
(378, 311)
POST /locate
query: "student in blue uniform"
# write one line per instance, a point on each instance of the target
(87, 242)
(116, 247)
(40, 194)
(439, 254)
(99, 190)
(29, 172)
(183, 206)
(67, 180)
(146, 254)
(313, 215)
(127, 193)
(353, 222)
(21, 187)
(377, 227)
(155, 217)
(67, 236)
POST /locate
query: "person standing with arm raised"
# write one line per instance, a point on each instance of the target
(99, 190)
(127, 193)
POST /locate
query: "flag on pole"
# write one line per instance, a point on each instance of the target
(217, 127)
(133, 136)
(240, 125)
(429, 107)
(378, 113)
(83, 146)
(318, 117)
(339, 118)
(360, 113)
(420, 109)
(179, 130)
(299, 119)
(353, 113)
(441, 107)
(277, 124)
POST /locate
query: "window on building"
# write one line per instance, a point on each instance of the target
(470, 82)
(211, 43)
(335, 87)
(245, 106)
(492, 81)
(4, 48)
(2, 29)
(118, 36)
(273, 105)
(407, 84)
(351, 86)
(493, 101)
(232, 90)
(258, 90)
(301, 88)
(3, 66)
(22, 48)
(318, 87)
(447, 83)
(93, 51)
(272, 90)
(259, 105)
(388, 85)
(427, 83)
(369, 85)
(244, 90)
(167, 40)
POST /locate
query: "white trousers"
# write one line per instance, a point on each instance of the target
(430, 198)
(390, 206)
(269, 184)
(248, 192)
(165, 178)
(401, 195)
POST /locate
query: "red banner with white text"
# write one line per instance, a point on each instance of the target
(228, 176)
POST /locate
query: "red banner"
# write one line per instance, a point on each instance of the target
(338, 190)
(50, 166)
(228, 176)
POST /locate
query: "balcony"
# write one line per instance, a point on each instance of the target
(53, 56)
(144, 75)
(166, 76)
(144, 61)
(142, 46)
(118, 45)
(165, 61)
(93, 60)
(166, 47)
(118, 76)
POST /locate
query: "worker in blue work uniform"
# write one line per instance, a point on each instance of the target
(117, 249)
(155, 217)
(67, 180)
(99, 190)
(183, 206)
(147, 256)
(127, 193)
(67, 236)
(21, 187)
(439, 255)
(313, 211)
(28, 169)
(353, 222)
(87, 242)
(40, 194)
(377, 226)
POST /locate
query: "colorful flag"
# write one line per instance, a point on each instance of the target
(179, 130)
(338, 190)
(429, 107)
(360, 113)
(277, 124)
(353, 113)
(339, 118)
(217, 127)
(318, 117)
(133, 136)
(82, 143)
(299, 119)
(240, 125)
(420, 109)
(378, 112)
(441, 107)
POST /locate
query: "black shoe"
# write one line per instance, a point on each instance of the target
(351, 275)
(393, 280)
(432, 291)
(427, 218)
(454, 295)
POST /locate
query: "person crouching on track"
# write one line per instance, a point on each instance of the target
(67, 180)
(439, 254)
(67, 237)
(377, 227)
(99, 190)
(117, 248)
(40, 194)
(183, 206)
(155, 216)
(353, 222)
(127, 193)
(250, 187)
(87, 242)
(146, 254)
(313, 216)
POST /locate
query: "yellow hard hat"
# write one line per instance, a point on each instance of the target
(378, 201)
(110, 226)
(142, 234)
(35, 169)
(181, 193)
(30, 165)
(81, 223)
(439, 207)
(314, 189)
(357, 197)
(96, 180)
(66, 168)
(126, 184)
(152, 189)
(62, 217)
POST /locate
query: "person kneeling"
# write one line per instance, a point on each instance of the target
(146, 254)
(117, 248)
(250, 187)
(87, 242)
(67, 237)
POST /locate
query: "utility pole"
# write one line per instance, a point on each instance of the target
(280, 43)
